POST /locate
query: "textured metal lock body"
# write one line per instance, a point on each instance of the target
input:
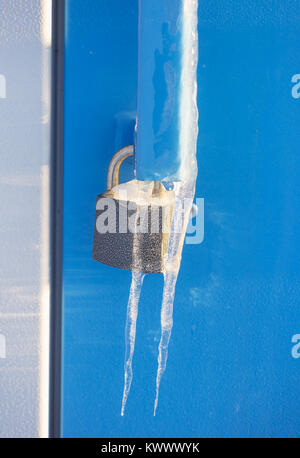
(139, 250)
(142, 252)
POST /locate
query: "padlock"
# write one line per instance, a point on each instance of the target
(133, 221)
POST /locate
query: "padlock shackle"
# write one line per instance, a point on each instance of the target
(115, 164)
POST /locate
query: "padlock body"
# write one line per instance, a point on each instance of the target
(129, 235)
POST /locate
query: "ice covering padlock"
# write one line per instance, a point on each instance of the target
(133, 221)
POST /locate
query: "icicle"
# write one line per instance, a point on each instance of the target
(184, 193)
(166, 328)
(130, 332)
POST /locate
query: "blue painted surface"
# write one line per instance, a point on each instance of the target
(159, 77)
(230, 370)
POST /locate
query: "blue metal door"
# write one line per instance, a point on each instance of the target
(233, 367)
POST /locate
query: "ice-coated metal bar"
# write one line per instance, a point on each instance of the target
(161, 60)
